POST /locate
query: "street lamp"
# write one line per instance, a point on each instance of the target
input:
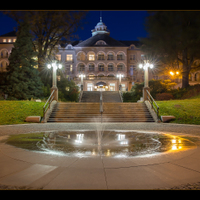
(120, 77)
(82, 76)
(145, 66)
(55, 66)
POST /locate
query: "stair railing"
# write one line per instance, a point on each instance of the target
(48, 104)
(154, 105)
(121, 95)
(101, 102)
(80, 95)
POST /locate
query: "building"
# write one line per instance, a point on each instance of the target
(100, 58)
(6, 44)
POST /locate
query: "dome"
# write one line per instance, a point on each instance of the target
(100, 28)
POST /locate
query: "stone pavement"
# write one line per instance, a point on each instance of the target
(22, 169)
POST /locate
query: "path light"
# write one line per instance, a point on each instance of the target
(145, 66)
(120, 77)
(82, 76)
(55, 66)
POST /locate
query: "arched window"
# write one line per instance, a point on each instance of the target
(81, 56)
(81, 67)
(3, 65)
(110, 56)
(100, 42)
(101, 67)
(110, 67)
(4, 53)
(101, 56)
(120, 56)
(120, 67)
(91, 67)
(91, 55)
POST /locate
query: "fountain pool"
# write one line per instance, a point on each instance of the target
(115, 143)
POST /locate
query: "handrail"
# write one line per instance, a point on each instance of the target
(80, 96)
(48, 103)
(152, 101)
(101, 102)
(120, 94)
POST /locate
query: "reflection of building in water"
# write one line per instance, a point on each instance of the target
(79, 138)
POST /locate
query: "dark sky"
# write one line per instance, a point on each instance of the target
(123, 25)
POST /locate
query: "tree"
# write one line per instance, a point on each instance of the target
(175, 37)
(22, 80)
(48, 29)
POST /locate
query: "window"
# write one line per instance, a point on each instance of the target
(120, 56)
(14, 40)
(81, 68)
(101, 67)
(91, 67)
(132, 57)
(110, 57)
(4, 40)
(58, 57)
(120, 67)
(81, 56)
(71, 68)
(69, 57)
(110, 68)
(131, 70)
(101, 56)
(91, 57)
(9, 40)
(100, 42)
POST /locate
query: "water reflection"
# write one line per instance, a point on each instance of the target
(112, 143)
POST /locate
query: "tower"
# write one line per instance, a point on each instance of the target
(100, 28)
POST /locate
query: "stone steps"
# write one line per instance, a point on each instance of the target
(90, 112)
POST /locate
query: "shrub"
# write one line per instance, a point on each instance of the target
(164, 96)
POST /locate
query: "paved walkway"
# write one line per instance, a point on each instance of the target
(24, 169)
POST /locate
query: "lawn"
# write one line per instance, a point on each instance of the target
(186, 111)
(15, 112)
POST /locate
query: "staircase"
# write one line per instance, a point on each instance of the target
(75, 112)
(90, 96)
(89, 112)
(111, 96)
(126, 112)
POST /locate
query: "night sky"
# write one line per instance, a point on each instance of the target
(123, 25)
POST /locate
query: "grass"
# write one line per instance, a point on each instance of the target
(186, 111)
(15, 112)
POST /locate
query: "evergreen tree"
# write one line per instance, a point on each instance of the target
(22, 79)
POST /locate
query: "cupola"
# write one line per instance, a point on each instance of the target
(100, 28)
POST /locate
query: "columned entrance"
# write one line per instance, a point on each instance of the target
(101, 86)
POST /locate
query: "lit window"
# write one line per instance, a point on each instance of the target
(71, 67)
(4, 40)
(91, 57)
(14, 40)
(69, 57)
(58, 57)
(9, 40)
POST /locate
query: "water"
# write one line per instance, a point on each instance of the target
(100, 143)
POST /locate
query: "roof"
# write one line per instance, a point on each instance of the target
(10, 34)
(130, 42)
(105, 37)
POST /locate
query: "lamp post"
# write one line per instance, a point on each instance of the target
(145, 66)
(81, 76)
(55, 66)
(120, 79)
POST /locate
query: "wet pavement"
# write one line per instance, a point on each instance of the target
(24, 169)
